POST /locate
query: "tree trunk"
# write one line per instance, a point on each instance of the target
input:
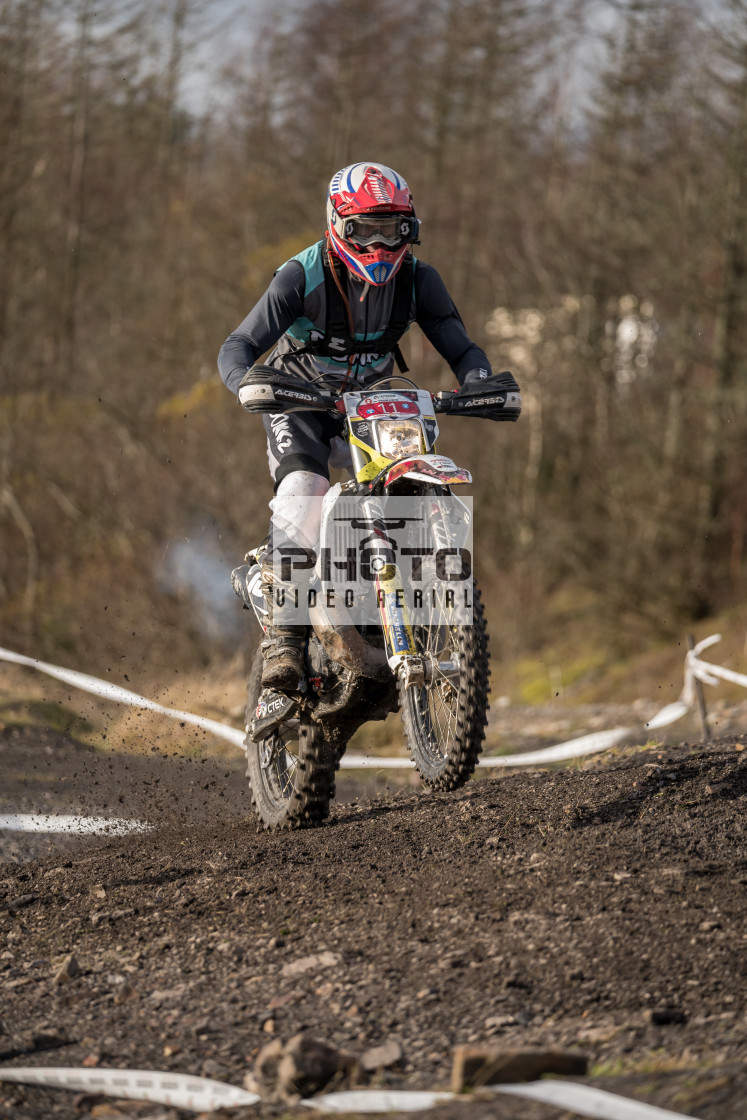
(76, 194)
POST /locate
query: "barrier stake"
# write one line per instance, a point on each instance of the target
(700, 697)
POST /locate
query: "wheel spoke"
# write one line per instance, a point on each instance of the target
(279, 761)
(445, 716)
(437, 701)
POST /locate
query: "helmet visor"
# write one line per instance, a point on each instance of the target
(392, 230)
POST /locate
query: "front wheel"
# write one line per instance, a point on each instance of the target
(292, 772)
(445, 718)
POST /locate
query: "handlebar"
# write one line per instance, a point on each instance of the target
(266, 389)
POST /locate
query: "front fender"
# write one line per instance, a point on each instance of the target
(428, 468)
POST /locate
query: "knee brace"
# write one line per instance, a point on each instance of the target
(294, 515)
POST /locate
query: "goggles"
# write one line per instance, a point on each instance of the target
(392, 230)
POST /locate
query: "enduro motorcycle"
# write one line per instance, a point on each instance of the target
(434, 667)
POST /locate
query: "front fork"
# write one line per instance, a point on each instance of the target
(403, 656)
(395, 617)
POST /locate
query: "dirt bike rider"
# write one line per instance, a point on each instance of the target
(366, 257)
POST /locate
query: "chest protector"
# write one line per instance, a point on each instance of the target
(338, 342)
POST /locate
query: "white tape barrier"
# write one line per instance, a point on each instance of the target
(704, 671)
(198, 1094)
(51, 822)
(178, 1090)
(695, 669)
(598, 740)
(378, 1100)
(573, 748)
(122, 695)
(669, 715)
(585, 1100)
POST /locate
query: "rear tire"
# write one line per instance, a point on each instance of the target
(292, 773)
(445, 720)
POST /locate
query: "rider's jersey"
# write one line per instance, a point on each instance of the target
(293, 312)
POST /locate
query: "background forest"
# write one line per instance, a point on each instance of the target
(584, 193)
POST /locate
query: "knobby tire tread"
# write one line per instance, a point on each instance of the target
(472, 714)
(314, 782)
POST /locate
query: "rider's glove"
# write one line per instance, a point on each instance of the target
(472, 376)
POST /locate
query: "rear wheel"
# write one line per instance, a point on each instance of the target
(445, 718)
(292, 773)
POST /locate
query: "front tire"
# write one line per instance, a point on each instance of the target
(292, 773)
(445, 719)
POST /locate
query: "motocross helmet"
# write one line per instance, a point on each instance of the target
(371, 220)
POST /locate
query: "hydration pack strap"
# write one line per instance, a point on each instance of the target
(338, 342)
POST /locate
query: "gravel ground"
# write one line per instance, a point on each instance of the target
(599, 908)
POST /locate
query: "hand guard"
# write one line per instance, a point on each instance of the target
(265, 389)
(495, 397)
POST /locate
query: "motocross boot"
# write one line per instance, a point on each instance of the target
(283, 647)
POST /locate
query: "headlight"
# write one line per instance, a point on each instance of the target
(399, 438)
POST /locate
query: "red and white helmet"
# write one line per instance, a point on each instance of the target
(371, 220)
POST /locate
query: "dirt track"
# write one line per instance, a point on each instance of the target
(554, 907)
